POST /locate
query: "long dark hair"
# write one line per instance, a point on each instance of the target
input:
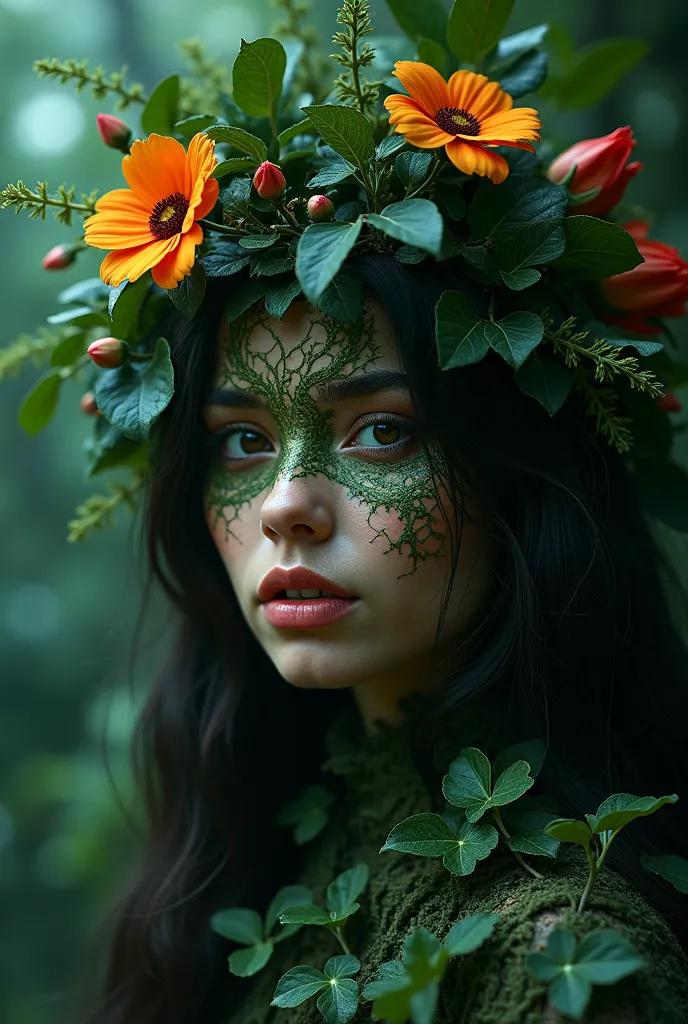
(577, 639)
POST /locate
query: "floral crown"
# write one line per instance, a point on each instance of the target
(278, 170)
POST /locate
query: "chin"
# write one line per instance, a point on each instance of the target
(301, 664)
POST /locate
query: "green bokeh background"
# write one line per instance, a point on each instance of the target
(68, 613)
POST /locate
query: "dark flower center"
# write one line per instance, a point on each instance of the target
(168, 215)
(457, 122)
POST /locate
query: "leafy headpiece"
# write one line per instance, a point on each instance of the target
(277, 170)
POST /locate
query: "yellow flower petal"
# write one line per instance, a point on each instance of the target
(425, 85)
(175, 266)
(474, 93)
(420, 131)
(472, 159)
(520, 124)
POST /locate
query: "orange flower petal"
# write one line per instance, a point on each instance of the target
(156, 169)
(397, 102)
(424, 84)
(519, 124)
(200, 161)
(474, 93)
(476, 160)
(120, 223)
(175, 266)
(211, 191)
(134, 262)
(423, 133)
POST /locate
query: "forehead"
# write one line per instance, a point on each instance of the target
(304, 343)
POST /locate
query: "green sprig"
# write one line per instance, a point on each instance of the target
(350, 87)
(97, 511)
(22, 198)
(210, 80)
(31, 348)
(78, 72)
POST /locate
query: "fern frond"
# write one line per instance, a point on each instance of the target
(78, 72)
(210, 80)
(22, 198)
(351, 88)
(31, 348)
(97, 511)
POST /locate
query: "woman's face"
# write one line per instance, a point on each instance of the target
(320, 503)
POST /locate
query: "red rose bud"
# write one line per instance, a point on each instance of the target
(600, 163)
(669, 403)
(107, 352)
(268, 181)
(320, 208)
(658, 287)
(114, 133)
(88, 404)
(59, 257)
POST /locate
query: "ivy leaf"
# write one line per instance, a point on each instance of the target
(240, 924)
(225, 260)
(297, 985)
(321, 251)
(670, 867)
(332, 174)
(545, 379)
(257, 75)
(338, 1002)
(413, 221)
(280, 295)
(532, 751)
(346, 130)
(343, 298)
(412, 167)
(287, 896)
(621, 808)
(309, 812)
(38, 407)
(161, 112)
(246, 962)
(427, 19)
(463, 337)
(511, 784)
(345, 888)
(470, 933)
(474, 843)
(240, 139)
(468, 782)
(132, 397)
(188, 296)
(425, 835)
(570, 830)
(475, 26)
(596, 248)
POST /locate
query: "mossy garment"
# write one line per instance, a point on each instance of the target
(491, 985)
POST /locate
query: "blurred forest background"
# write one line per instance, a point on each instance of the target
(68, 613)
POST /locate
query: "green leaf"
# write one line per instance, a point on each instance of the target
(188, 296)
(38, 407)
(287, 896)
(671, 867)
(161, 112)
(532, 751)
(523, 221)
(345, 888)
(280, 295)
(413, 167)
(389, 146)
(511, 784)
(545, 379)
(334, 172)
(90, 292)
(305, 914)
(463, 337)
(663, 490)
(425, 835)
(517, 280)
(596, 71)
(241, 140)
(309, 812)
(78, 316)
(596, 248)
(475, 26)
(235, 165)
(246, 962)
(346, 130)
(240, 924)
(413, 221)
(269, 264)
(226, 260)
(526, 75)
(321, 251)
(343, 298)
(190, 126)
(297, 985)
(621, 808)
(244, 297)
(304, 127)
(449, 195)
(338, 1002)
(536, 843)
(411, 990)
(409, 254)
(474, 843)
(342, 966)
(69, 349)
(132, 397)
(510, 49)
(469, 934)
(420, 19)
(434, 54)
(604, 957)
(257, 75)
(468, 782)
(570, 830)
(109, 448)
(570, 994)
(124, 306)
(258, 241)
(387, 978)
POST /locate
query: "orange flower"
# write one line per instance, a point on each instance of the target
(465, 115)
(153, 225)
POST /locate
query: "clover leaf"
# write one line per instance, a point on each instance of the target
(468, 783)
(340, 900)
(339, 992)
(429, 835)
(571, 968)
(308, 813)
(244, 926)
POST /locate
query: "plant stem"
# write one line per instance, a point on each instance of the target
(437, 167)
(517, 855)
(355, 76)
(222, 229)
(342, 941)
(590, 882)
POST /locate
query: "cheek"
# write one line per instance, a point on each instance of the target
(235, 542)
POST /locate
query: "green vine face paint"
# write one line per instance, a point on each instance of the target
(318, 466)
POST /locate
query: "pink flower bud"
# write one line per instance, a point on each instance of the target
(114, 133)
(669, 403)
(107, 352)
(59, 257)
(88, 404)
(600, 163)
(268, 181)
(320, 208)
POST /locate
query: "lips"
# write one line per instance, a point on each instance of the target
(284, 610)
(298, 578)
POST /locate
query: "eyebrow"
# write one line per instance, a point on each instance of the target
(329, 391)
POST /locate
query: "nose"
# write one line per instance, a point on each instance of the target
(294, 510)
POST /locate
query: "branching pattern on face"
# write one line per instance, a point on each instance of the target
(329, 351)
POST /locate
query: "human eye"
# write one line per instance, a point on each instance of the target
(383, 434)
(241, 443)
